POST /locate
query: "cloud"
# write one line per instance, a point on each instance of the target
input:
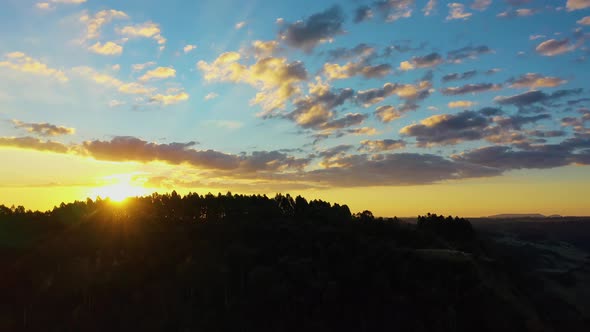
(362, 13)
(21, 62)
(43, 5)
(95, 23)
(535, 37)
(142, 66)
(317, 109)
(188, 48)
(577, 4)
(240, 25)
(211, 95)
(170, 99)
(265, 49)
(507, 158)
(362, 51)
(446, 129)
(516, 122)
(393, 10)
(144, 30)
(108, 48)
(388, 113)
(584, 21)
(225, 124)
(125, 148)
(459, 76)
(468, 52)
(394, 169)
(43, 129)
(553, 47)
(47, 5)
(408, 92)
(457, 12)
(136, 89)
(115, 103)
(335, 71)
(100, 78)
(382, 145)
(521, 12)
(532, 81)
(481, 4)
(316, 29)
(535, 96)
(274, 77)
(461, 104)
(470, 88)
(365, 131)
(158, 73)
(429, 7)
(430, 60)
(32, 143)
(348, 120)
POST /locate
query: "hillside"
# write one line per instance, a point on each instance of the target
(253, 263)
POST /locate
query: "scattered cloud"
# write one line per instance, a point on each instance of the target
(142, 66)
(43, 129)
(170, 98)
(430, 60)
(584, 21)
(32, 143)
(316, 29)
(448, 129)
(470, 88)
(240, 25)
(144, 30)
(553, 47)
(274, 77)
(94, 75)
(481, 4)
(158, 73)
(535, 96)
(382, 145)
(467, 52)
(21, 62)
(393, 10)
(108, 48)
(362, 13)
(388, 113)
(48, 4)
(457, 12)
(429, 8)
(226, 124)
(533, 81)
(461, 104)
(459, 76)
(577, 4)
(95, 23)
(136, 89)
(188, 48)
(211, 95)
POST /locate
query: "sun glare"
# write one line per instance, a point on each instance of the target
(119, 192)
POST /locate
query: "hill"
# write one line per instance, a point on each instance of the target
(253, 263)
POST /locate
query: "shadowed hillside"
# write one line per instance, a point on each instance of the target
(253, 263)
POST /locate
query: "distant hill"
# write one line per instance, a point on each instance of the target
(519, 215)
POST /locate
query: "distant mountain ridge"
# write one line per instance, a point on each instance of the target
(522, 215)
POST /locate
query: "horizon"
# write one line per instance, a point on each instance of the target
(401, 107)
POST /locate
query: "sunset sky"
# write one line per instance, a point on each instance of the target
(402, 107)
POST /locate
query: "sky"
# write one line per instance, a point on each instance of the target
(401, 107)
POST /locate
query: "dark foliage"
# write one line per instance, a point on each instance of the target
(247, 263)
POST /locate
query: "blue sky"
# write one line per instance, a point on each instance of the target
(299, 95)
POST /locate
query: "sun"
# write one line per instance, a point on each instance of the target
(119, 192)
